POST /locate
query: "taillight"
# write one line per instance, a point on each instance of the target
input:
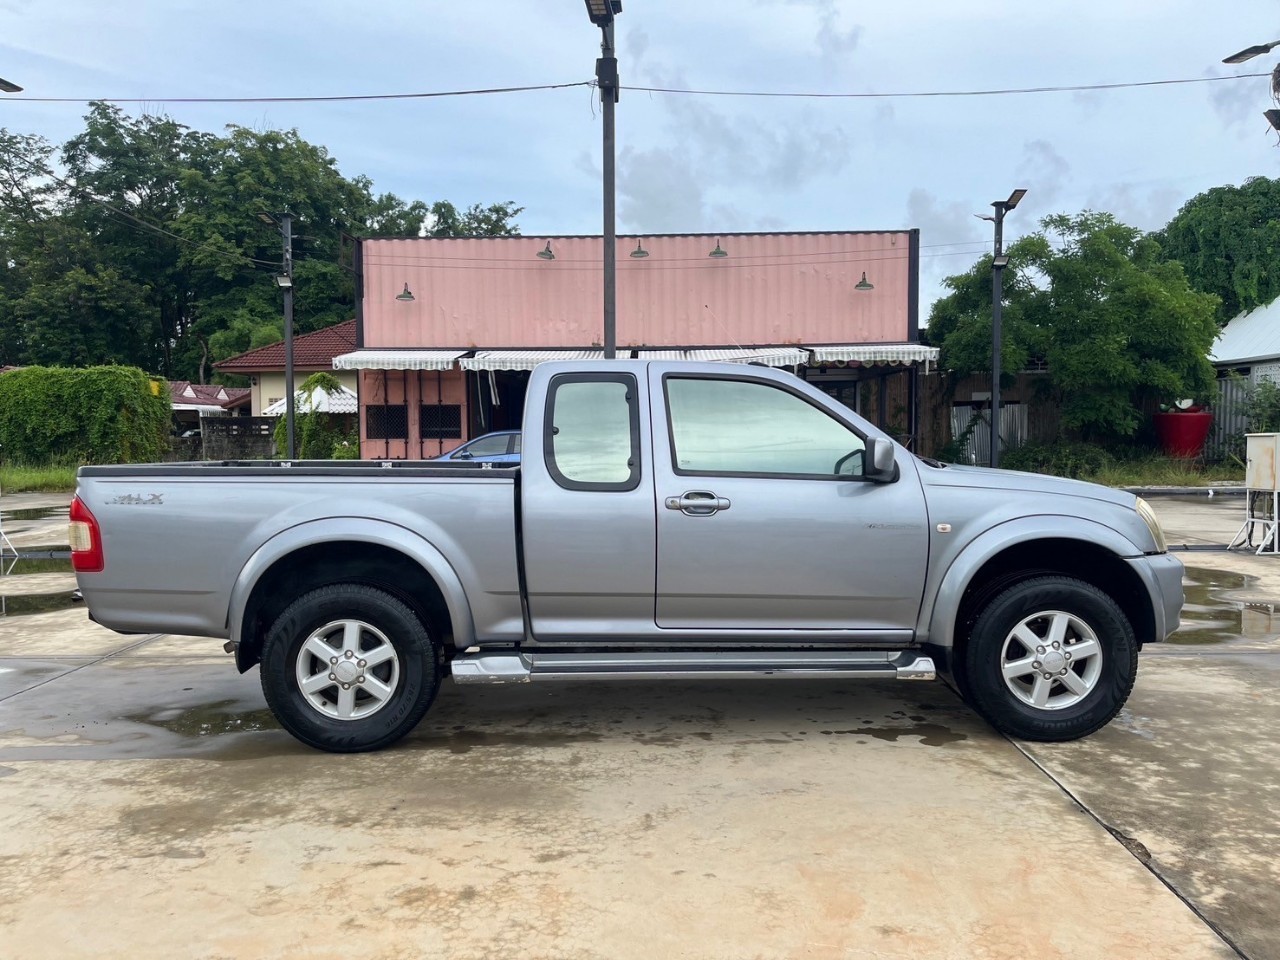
(86, 540)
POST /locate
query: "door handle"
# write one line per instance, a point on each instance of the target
(697, 503)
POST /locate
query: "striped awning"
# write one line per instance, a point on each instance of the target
(769, 356)
(524, 359)
(398, 360)
(875, 353)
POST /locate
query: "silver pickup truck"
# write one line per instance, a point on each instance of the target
(670, 520)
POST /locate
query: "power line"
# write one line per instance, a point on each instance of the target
(782, 94)
(314, 99)
(941, 93)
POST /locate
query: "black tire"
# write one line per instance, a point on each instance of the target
(409, 680)
(992, 645)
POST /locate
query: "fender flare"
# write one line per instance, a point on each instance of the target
(940, 619)
(343, 530)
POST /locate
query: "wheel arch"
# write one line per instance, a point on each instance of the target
(355, 550)
(1019, 550)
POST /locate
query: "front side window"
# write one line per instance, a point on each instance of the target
(593, 432)
(723, 426)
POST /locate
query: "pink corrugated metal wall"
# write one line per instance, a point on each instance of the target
(770, 289)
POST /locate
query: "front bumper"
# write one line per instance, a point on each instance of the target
(1161, 574)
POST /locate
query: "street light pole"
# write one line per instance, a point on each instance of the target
(998, 263)
(601, 13)
(607, 78)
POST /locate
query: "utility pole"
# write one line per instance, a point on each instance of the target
(286, 231)
(285, 282)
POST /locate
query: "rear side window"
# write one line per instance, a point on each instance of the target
(592, 432)
(489, 446)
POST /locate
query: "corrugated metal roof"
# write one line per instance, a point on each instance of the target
(891, 353)
(524, 359)
(770, 356)
(1251, 336)
(342, 400)
(398, 360)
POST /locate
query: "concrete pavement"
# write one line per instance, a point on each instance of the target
(149, 807)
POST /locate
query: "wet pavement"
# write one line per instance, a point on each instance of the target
(151, 807)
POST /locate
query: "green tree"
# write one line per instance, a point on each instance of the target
(1116, 324)
(142, 244)
(1228, 241)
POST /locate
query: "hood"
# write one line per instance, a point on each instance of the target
(960, 475)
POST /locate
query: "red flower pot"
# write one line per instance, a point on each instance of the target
(1183, 434)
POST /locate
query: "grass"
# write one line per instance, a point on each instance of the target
(1165, 472)
(54, 478)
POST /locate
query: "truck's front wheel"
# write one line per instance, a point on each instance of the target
(1052, 658)
(349, 668)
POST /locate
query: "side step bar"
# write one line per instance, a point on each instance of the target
(802, 665)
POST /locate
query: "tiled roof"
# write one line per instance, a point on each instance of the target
(207, 394)
(311, 351)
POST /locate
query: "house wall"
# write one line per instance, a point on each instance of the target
(770, 289)
(267, 388)
(413, 388)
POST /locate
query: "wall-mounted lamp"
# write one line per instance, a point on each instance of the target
(639, 253)
(863, 284)
(546, 253)
(406, 295)
(718, 253)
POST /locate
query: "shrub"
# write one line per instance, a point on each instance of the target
(1262, 407)
(1059, 459)
(318, 435)
(90, 415)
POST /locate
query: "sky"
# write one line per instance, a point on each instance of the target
(700, 163)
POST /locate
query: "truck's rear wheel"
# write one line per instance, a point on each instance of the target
(1052, 658)
(349, 668)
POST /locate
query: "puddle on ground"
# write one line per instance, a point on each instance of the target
(209, 720)
(25, 564)
(36, 513)
(930, 734)
(1210, 616)
(36, 603)
(25, 604)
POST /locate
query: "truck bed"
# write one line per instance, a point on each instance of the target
(180, 538)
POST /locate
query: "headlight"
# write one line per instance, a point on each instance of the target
(1153, 524)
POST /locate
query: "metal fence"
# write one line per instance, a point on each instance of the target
(1229, 421)
(977, 448)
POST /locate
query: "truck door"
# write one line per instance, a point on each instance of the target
(587, 505)
(766, 520)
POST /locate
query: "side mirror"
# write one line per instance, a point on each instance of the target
(881, 465)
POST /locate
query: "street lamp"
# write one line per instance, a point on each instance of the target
(1257, 50)
(1248, 53)
(285, 222)
(601, 13)
(998, 263)
(7, 87)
